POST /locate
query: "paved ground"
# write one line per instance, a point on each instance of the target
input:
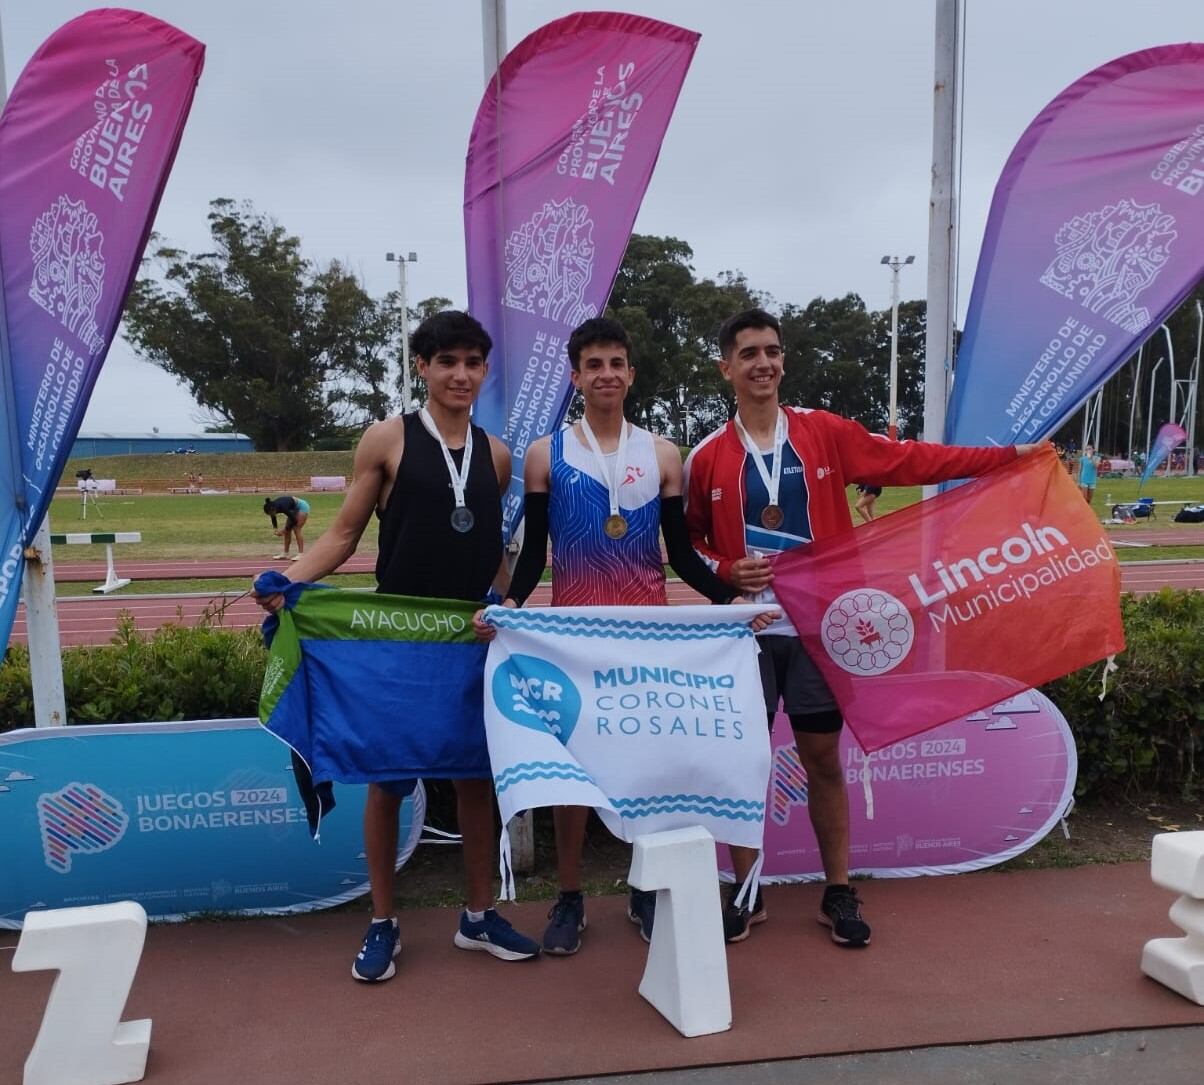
(1170, 1056)
(980, 959)
(1172, 535)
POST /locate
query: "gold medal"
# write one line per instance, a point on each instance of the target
(615, 526)
(772, 517)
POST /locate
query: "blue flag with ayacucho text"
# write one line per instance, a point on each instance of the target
(373, 688)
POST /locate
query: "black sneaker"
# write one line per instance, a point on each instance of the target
(567, 921)
(641, 910)
(841, 910)
(738, 920)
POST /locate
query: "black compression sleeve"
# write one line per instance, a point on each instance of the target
(684, 558)
(530, 565)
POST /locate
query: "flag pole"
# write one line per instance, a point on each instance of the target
(493, 41)
(493, 35)
(942, 225)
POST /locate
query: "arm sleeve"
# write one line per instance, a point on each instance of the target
(872, 458)
(698, 514)
(683, 557)
(274, 524)
(530, 565)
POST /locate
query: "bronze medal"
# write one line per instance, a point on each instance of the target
(772, 517)
(615, 526)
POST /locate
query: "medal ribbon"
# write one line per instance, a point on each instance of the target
(771, 479)
(459, 479)
(611, 477)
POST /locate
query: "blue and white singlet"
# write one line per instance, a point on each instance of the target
(588, 567)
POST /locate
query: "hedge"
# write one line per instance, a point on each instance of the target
(175, 673)
(1143, 737)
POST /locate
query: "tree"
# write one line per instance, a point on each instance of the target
(267, 341)
(417, 314)
(672, 319)
(913, 333)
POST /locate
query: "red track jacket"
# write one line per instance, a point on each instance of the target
(834, 452)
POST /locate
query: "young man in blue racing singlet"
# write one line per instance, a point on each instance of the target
(605, 490)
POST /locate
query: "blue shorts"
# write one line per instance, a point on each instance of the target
(302, 506)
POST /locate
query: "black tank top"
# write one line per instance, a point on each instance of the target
(420, 552)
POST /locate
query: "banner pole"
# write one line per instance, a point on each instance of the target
(42, 626)
(493, 40)
(493, 34)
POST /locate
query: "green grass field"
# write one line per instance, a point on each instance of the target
(188, 526)
(245, 467)
(192, 526)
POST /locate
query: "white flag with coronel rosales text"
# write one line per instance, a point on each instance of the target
(653, 716)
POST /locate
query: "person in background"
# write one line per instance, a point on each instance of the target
(866, 496)
(295, 511)
(1087, 468)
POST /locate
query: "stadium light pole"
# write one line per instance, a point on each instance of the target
(894, 263)
(1149, 418)
(401, 259)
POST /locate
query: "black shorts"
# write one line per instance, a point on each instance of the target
(789, 676)
(873, 491)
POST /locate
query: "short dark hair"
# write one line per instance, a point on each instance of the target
(599, 329)
(449, 330)
(749, 318)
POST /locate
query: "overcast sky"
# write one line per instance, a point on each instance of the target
(799, 153)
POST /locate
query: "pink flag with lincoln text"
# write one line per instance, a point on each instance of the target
(958, 602)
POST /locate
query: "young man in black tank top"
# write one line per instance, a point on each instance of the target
(402, 476)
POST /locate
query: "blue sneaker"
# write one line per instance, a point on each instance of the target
(374, 962)
(641, 910)
(566, 922)
(494, 935)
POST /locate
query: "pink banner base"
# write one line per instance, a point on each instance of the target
(966, 795)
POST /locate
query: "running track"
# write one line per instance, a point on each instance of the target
(125, 558)
(92, 619)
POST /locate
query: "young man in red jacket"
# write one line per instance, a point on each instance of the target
(772, 479)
